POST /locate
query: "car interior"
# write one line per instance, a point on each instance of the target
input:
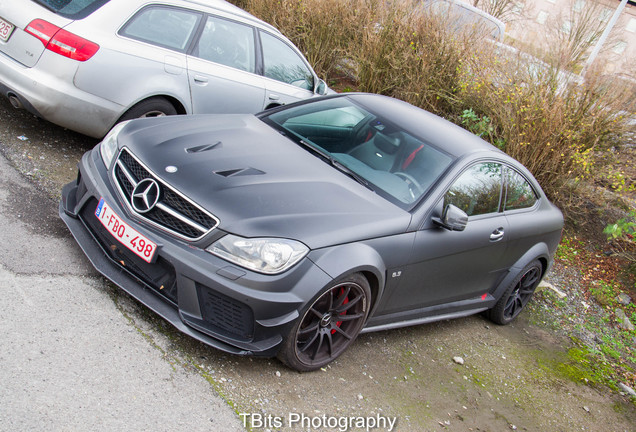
(391, 159)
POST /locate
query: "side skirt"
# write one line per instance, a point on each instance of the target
(430, 314)
(422, 320)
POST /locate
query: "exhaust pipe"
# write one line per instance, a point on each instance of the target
(15, 102)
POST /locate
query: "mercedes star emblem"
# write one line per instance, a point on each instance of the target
(145, 195)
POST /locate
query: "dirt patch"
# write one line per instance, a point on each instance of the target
(45, 153)
(511, 379)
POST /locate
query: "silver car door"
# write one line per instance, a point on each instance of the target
(222, 69)
(288, 78)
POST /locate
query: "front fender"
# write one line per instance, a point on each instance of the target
(353, 258)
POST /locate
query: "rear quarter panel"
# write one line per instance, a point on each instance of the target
(125, 71)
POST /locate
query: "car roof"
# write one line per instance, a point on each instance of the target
(431, 128)
(224, 6)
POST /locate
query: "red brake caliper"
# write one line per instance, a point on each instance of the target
(346, 300)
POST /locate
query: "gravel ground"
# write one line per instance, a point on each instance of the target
(459, 375)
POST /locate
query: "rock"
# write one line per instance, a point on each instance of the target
(623, 299)
(458, 360)
(623, 320)
(627, 389)
(547, 285)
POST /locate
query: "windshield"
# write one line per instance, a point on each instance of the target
(392, 161)
(73, 9)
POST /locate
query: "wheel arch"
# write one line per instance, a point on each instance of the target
(540, 252)
(355, 258)
(178, 105)
(273, 105)
(174, 101)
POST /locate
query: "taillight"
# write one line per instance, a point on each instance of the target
(61, 41)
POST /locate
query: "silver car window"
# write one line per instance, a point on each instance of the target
(74, 9)
(284, 64)
(228, 43)
(163, 26)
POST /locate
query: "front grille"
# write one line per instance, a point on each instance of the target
(173, 212)
(160, 275)
(223, 314)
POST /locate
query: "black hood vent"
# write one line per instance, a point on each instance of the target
(240, 172)
(202, 148)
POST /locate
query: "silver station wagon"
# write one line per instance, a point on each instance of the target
(88, 64)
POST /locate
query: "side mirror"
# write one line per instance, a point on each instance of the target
(321, 88)
(453, 218)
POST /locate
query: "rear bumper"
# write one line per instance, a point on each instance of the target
(223, 306)
(54, 97)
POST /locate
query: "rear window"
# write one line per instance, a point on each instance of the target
(164, 26)
(73, 9)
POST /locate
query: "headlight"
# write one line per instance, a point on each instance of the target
(264, 255)
(108, 146)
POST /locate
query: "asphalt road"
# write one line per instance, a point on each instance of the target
(72, 356)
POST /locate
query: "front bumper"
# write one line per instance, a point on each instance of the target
(203, 296)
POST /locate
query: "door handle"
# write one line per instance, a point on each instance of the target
(497, 234)
(273, 97)
(200, 79)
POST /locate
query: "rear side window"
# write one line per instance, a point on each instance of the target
(519, 193)
(163, 26)
(228, 43)
(73, 9)
(283, 64)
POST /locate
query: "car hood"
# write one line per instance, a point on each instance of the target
(259, 183)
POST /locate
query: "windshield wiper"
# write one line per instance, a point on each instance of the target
(344, 169)
(336, 164)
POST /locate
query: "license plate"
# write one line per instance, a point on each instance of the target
(6, 29)
(127, 235)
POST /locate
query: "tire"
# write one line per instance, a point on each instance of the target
(328, 325)
(517, 295)
(153, 107)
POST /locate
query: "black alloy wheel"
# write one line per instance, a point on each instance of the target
(517, 295)
(329, 325)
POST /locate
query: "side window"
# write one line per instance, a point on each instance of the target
(283, 64)
(163, 26)
(228, 43)
(519, 193)
(477, 190)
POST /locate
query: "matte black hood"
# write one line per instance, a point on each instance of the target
(259, 183)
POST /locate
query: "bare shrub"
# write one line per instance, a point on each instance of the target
(501, 9)
(324, 30)
(538, 114)
(571, 35)
(411, 56)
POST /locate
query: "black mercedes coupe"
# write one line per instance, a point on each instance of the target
(289, 232)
